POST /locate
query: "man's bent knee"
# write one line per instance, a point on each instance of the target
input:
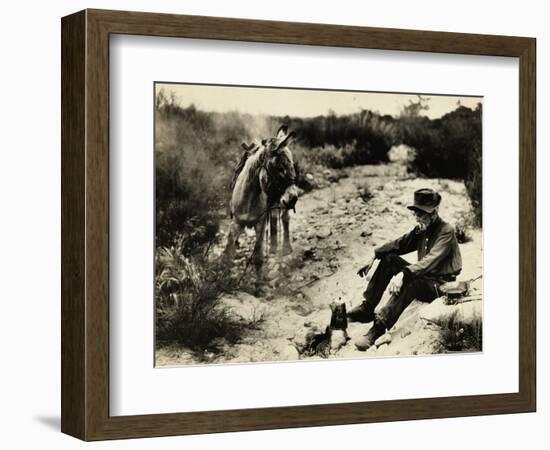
(393, 261)
(391, 257)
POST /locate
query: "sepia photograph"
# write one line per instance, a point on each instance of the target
(297, 224)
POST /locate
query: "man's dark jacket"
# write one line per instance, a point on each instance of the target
(437, 248)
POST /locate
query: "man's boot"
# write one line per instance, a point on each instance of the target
(365, 342)
(363, 313)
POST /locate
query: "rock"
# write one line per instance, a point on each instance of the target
(287, 352)
(323, 233)
(302, 309)
(338, 338)
(366, 233)
(466, 313)
(272, 274)
(309, 177)
(400, 153)
(453, 187)
(338, 245)
(384, 339)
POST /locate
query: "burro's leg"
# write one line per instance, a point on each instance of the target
(235, 231)
(273, 219)
(258, 253)
(287, 248)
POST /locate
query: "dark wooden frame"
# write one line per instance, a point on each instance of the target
(85, 224)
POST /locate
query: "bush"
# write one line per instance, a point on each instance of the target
(449, 147)
(459, 337)
(463, 225)
(365, 192)
(194, 159)
(187, 301)
(347, 140)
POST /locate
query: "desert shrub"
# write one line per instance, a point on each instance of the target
(195, 155)
(459, 336)
(463, 225)
(449, 147)
(346, 140)
(364, 192)
(188, 293)
(194, 159)
(339, 157)
(473, 181)
(328, 156)
(306, 165)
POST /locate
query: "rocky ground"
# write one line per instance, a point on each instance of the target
(334, 230)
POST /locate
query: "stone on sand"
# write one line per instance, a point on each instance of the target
(440, 313)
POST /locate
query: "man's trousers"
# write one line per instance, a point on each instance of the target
(422, 288)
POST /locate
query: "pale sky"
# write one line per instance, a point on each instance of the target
(304, 103)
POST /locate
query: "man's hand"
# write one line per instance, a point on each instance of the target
(362, 272)
(396, 283)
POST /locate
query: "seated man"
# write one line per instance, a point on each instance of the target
(439, 261)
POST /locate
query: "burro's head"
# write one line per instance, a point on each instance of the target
(281, 172)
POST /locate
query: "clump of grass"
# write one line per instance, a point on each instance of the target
(457, 336)
(188, 294)
(463, 227)
(365, 193)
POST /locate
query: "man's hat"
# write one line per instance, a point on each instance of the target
(425, 200)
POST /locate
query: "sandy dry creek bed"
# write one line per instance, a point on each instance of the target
(333, 231)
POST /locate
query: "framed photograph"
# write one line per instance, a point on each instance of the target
(271, 225)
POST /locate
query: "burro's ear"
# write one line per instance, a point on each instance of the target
(289, 138)
(282, 132)
(247, 147)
